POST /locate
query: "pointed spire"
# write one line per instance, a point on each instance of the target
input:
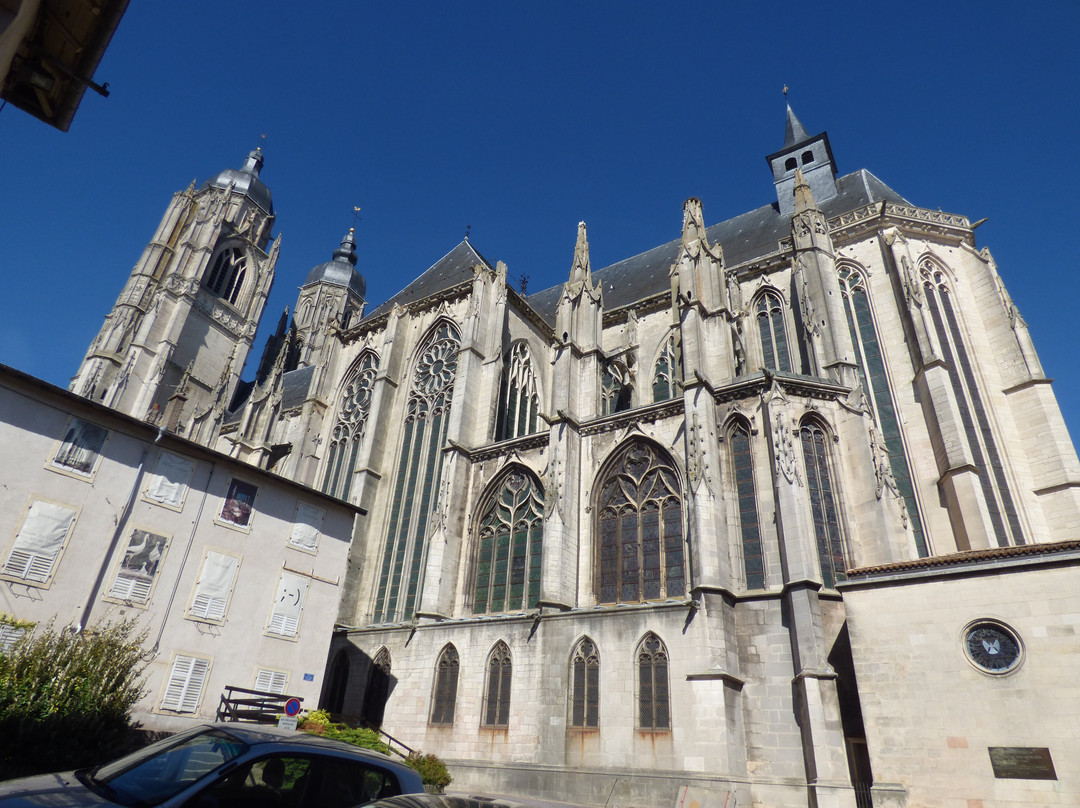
(794, 132)
(579, 272)
(804, 198)
(347, 250)
(693, 223)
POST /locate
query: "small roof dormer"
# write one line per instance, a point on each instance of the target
(811, 155)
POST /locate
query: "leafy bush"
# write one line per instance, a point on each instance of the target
(431, 769)
(66, 698)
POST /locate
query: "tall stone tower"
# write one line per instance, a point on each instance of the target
(174, 345)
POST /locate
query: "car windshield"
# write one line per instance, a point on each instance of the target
(164, 769)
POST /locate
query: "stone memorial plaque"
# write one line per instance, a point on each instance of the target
(1022, 763)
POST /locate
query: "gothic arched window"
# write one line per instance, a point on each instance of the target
(615, 388)
(824, 509)
(378, 690)
(639, 527)
(667, 375)
(416, 486)
(446, 680)
(774, 344)
(510, 540)
(654, 700)
(497, 693)
(353, 406)
(749, 522)
(518, 400)
(227, 276)
(875, 381)
(585, 685)
(980, 436)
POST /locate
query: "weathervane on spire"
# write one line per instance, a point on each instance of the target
(468, 227)
(785, 91)
(355, 216)
(262, 142)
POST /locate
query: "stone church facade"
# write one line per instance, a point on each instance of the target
(611, 525)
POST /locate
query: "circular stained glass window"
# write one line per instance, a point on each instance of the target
(993, 647)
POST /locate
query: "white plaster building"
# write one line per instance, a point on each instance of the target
(609, 523)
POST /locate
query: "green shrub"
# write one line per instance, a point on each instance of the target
(66, 698)
(315, 717)
(431, 769)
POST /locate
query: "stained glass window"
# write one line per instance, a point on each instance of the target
(417, 484)
(746, 490)
(510, 544)
(518, 400)
(875, 382)
(615, 388)
(639, 527)
(585, 685)
(226, 279)
(823, 505)
(770, 317)
(353, 406)
(497, 696)
(446, 679)
(654, 700)
(667, 374)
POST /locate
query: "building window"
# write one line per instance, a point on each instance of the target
(184, 688)
(38, 544)
(518, 399)
(510, 540)
(746, 489)
(774, 346)
(268, 681)
(288, 605)
(416, 487)
(446, 679)
(615, 389)
(640, 529)
(807, 157)
(353, 407)
(791, 164)
(226, 279)
(667, 375)
(169, 484)
(307, 524)
(875, 381)
(239, 503)
(80, 449)
(980, 436)
(824, 509)
(210, 601)
(139, 568)
(585, 685)
(654, 703)
(497, 695)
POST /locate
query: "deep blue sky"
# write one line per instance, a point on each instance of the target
(521, 120)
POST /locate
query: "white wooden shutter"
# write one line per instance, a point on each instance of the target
(169, 485)
(306, 527)
(184, 689)
(131, 587)
(39, 541)
(289, 603)
(271, 681)
(214, 586)
(9, 635)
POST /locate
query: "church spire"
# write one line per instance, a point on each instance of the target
(580, 273)
(808, 155)
(347, 250)
(794, 132)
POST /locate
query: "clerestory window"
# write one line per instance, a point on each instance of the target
(518, 399)
(824, 508)
(354, 402)
(774, 343)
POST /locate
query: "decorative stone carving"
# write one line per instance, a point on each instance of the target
(787, 462)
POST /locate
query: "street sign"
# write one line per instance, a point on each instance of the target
(292, 707)
(287, 722)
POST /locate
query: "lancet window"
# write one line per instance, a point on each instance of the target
(353, 406)
(585, 685)
(226, 278)
(667, 375)
(518, 399)
(416, 486)
(774, 343)
(824, 508)
(980, 437)
(510, 539)
(497, 693)
(749, 521)
(639, 527)
(446, 682)
(654, 700)
(875, 382)
(615, 388)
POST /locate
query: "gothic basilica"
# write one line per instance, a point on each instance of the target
(782, 512)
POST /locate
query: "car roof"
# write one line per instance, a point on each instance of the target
(255, 734)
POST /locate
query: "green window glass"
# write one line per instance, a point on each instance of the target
(510, 545)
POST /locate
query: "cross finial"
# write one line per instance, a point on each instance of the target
(785, 91)
(355, 216)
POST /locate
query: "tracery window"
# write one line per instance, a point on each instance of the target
(226, 279)
(446, 681)
(823, 505)
(980, 437)
(639, 527)
(497, 694)
(585, 685)
(518, 400)
(353, 406)
(875, 382)
(510, 538)
(749, 521)
(654, 701)
(774, 343)
(416, 487)
(615, 388)
(667, 374)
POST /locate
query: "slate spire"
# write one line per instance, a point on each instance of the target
(794, 132)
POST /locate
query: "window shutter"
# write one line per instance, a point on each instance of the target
(39, 541)
(186, 680)
(289, 603)
(306, 527)
(271, 681)
(130, 587)
(214, 586)
(169, 485)
(9, 635)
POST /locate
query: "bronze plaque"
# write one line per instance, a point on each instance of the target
(1022, 763)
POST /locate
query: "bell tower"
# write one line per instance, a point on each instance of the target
(187, 316)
